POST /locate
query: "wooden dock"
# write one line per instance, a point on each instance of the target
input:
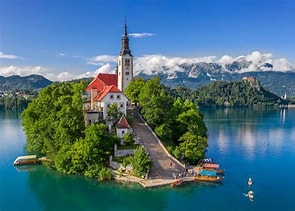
(150, 183)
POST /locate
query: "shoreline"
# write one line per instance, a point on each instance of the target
(150, 183)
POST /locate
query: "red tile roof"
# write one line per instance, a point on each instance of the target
(122, 123)
(96, 83)
(104, 92)
(109, 79)
(101, 81)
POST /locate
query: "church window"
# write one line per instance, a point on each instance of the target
(111, 96)
(118, 97)
(121, 105)
(126, 73)
(127, 62)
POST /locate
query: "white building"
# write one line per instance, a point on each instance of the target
(107, 89)
(123, 127)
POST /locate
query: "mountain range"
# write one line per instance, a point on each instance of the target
(191, 75)
(195, 75)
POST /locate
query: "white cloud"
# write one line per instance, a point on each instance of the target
(107, 68)
(281, 64)
(60, 55)
(8, 56)
(153, 64)
(150, 65)
(102, 59)
(140, 35)
(257, 59)
(226, 59)
(65, 76)
(22, 71)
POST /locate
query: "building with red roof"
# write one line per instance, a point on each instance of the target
(122, 127)
(107, 89)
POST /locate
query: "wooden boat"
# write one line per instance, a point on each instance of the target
(213, 167)
(177, 182)
(26, 160)
(218, 171)
(208, 178)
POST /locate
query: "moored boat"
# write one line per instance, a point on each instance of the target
(213, 167)
(206, 178)
(177, 182)
(26, 160)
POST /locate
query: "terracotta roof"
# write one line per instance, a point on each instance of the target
(102, 80)
(122, 123)
(97, 84)
(104, 92)
(108, 79)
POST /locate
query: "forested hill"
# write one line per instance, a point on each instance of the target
(247, 92)
(25, 83)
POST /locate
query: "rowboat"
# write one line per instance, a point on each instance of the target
(213, 167)
(177, 182)
(25, 160)
(208, 178)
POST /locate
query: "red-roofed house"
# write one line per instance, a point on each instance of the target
(100, 96)
(106, 89)
(122, 127)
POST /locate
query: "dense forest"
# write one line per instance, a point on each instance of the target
(241, 93)
(54, 127)
(178, 123)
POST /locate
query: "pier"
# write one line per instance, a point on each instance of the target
(150, 183)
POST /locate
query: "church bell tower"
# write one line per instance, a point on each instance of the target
(125, 62)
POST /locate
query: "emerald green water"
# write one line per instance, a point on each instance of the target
(247, 143)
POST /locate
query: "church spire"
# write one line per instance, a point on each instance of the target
(125, 42)
(125, 28)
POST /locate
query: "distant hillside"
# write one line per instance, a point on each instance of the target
(243, 93)
(276, 78)
(276, 82)
(31, 82)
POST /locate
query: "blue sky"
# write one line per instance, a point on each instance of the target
(64, 39)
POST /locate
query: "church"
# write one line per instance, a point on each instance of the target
(107, 89)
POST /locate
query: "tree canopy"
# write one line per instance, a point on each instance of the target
(179, 124)
(54, 126)
(230, 94)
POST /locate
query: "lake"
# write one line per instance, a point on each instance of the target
(246, 142)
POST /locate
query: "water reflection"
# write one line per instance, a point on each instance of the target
(60, 192)
(283, 115)
(248, 131)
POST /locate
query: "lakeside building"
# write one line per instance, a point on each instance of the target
(107, 89)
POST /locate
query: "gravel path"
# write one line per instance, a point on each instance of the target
(161, 161)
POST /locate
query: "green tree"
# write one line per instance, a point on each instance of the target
(128, 138)
(54, 118)
(155, 102)
(192, 147)
(140, 162)
(114, 112)
(133, 90)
